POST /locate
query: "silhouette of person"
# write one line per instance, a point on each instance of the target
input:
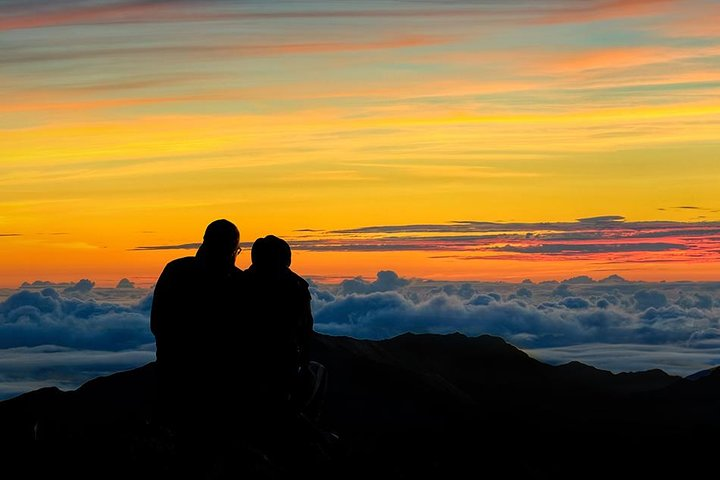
(192, 318)
(279, 329)
(281, 321)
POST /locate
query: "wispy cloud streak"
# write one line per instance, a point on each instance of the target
(33, 14)
(593, 236)
(182, 246)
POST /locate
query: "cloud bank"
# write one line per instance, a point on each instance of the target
(53, 338)
(672, 326)
(65, 335)
(29, 319)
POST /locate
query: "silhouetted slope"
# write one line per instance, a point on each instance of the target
(414, 406)
(432, 403)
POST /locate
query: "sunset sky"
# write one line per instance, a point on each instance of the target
(455, 140)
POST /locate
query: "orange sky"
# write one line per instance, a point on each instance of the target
(126, 127)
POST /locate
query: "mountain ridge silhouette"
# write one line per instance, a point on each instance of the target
(412, 406)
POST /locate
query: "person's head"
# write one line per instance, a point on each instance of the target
(271, 251)
(220, 241)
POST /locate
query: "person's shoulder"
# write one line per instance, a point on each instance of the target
(249, 274)
(178, 262)
(298, 280)
(182, 263)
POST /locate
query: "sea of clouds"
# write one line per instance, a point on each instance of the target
(65, 334)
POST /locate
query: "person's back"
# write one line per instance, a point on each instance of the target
(279, 327)
(193, 318)
(279, 318)
(190, 303)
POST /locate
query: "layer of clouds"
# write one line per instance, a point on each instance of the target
(674, 359)
(52, 336)
(671, 326)
(28, 368)
(29, 318)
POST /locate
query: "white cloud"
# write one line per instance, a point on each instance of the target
(125, 283)
(386, 280)
(29, 318)
(48, 338)
(630, 357)
(29, 368)
(668, 322)
(82, 286)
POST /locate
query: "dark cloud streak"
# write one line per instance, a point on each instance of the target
(182, 246)
(562, 248)
(604, 219)
(604, 234)
(610, 222)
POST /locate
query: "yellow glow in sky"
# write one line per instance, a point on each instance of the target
(306, 121)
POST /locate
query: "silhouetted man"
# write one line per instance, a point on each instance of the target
(193, 318)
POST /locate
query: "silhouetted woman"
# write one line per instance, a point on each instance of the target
(277, 303)
(277, 335)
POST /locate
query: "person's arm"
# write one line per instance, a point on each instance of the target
(165, 305)
(159, 308)
(306, 326)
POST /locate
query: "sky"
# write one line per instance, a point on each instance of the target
(469, 141)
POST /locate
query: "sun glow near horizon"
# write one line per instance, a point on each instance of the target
(133, 125)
